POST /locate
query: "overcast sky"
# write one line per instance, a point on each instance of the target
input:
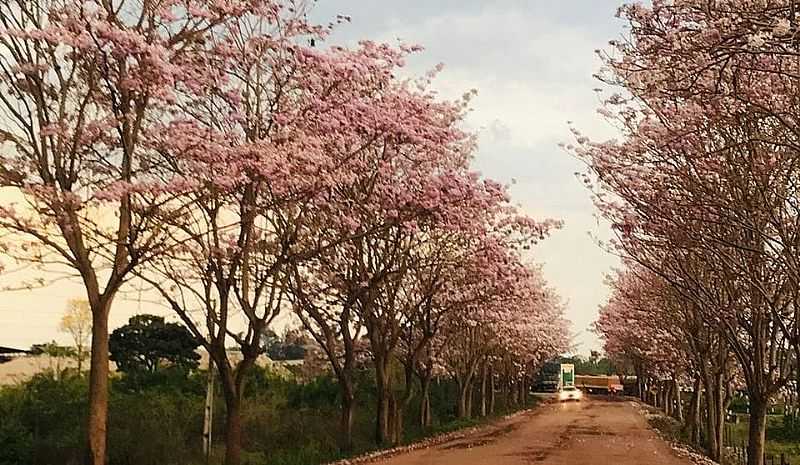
(531, 62)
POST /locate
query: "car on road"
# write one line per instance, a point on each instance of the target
(568, 393)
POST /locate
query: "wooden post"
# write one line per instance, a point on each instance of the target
(208, 412)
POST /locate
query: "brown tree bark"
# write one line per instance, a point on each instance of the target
(464, 395)
(492, 394)
(470, 396)
(678, 401)
(757, 430)
(233, 384)
(233, 430)
(347, 413)
(98, 382)
(484, 375)
(693, 416)
(715, 412)
(425, 419)
(383, 381)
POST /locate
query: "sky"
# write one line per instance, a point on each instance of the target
(531, 62)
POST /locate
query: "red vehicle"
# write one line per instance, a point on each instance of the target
(599, 384)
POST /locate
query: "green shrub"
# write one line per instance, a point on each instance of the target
(155, 427)
(16, 438)
(157, 418)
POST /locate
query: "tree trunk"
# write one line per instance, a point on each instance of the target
(393, 411)
(233, 427)
(492, 397)
(506, 393)
(720, 411)
(668, 396)
(639, 381)
(425, 403)
(715, 414)
(402, 406)
(525, 391)
(693, 420)
(470, 395)
(98, 383)
(383, 408)
(640, 389)
(233, 382)
(711, 424)
(512, 387)
(464, 393)
(483, 389)
(346, 420)
(397, 424)
(678, 400)
(758, 426)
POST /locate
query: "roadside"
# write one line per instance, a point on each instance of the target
(781, 447)
(453, 431)
(782, 441)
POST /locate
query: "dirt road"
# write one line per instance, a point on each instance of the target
(592, 432)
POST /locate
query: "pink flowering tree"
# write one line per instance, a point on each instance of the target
(514, 320)
(701, 187)
(415, 181)
(667, 340)
(297, 155)
(85, 87)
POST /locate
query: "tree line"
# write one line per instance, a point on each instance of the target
(228, 158)
(701, 189)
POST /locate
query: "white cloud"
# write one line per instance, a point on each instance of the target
(532, 63)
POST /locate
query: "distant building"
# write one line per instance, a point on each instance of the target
(10, 352)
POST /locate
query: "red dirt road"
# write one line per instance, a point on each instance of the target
(592, 432)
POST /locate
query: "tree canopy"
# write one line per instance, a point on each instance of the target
(148, 343)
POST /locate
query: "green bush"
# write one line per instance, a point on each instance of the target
(155, 427)
(15, 436)
(54, 412)
(739, 404)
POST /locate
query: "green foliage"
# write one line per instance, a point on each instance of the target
(780, 440)
(147, 341)
(593, 365)
(42, 421)
(52, 349)
(791, 427)
(739, 404)
(173, 380)
(157, 418)
(157, 426)
(15, 437)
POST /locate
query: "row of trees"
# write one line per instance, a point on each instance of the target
(213, 151)
(702, 192)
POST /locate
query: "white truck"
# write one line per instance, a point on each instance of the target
(567, 375)
(566, 384)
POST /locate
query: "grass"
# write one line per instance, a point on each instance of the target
(778, 441)
(412, 435)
